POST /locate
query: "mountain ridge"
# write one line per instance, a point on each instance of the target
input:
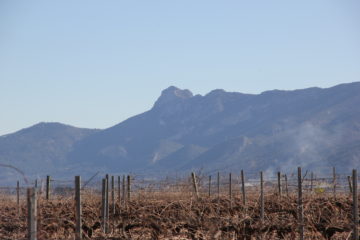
(208, 120)
(275, 129)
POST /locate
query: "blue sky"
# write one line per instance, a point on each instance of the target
(96, 63)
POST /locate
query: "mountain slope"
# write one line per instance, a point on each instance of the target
(40, 149)
(275, 130)
(281, 129)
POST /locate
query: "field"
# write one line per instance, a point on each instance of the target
(180, 214)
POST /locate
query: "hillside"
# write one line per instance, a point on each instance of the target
(40, 149)
(275, 130)
(225, 130)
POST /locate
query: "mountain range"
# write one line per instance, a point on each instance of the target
(276, 130)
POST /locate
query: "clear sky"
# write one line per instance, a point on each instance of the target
(96, 63)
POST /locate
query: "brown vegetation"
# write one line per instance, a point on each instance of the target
(173, 216)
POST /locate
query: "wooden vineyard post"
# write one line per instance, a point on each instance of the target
(218, 191)
(32, 213)
(112, 195)
(286, 186)
(300, 205)
(18, 196)
(355, 205)
(261, 197)
(209, 186)
(119, 190)
(349, 181)
(47, 187)
(107, 204)
(128, 188)
(230, 190)
(243, 187)
(218, 185)
(279, 183)
(78, 232)
(103, 205)
(311, 181)
(193, 177)
(334, 183)
(123, 190)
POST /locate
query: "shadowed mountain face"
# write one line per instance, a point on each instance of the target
(40, 149)
(222, 130)
(275, 130)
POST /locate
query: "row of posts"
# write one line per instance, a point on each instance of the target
(32, 200)
(32, 197)
(105, 207)
(352, 187)
(48, 180)
(279, 184)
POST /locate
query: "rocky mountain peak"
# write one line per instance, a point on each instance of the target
(172, 94)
